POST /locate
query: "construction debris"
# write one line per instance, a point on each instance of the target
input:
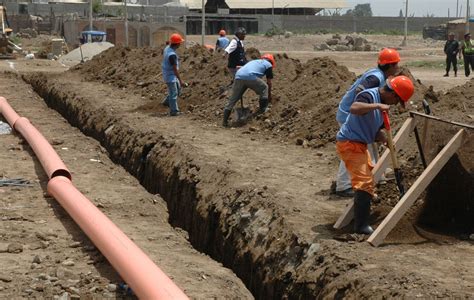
(89, 50)
(349, 43)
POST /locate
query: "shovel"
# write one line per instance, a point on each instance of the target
(242, 113)
(393, 154)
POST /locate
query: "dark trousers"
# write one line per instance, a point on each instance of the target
(468, 64)
(451, 59)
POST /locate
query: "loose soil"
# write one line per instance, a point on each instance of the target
(44, 253)
(256, 198)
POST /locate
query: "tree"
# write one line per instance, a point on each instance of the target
(360, 10)
(400, 14)
(96, 6)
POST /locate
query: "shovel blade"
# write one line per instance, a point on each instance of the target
(242, 115)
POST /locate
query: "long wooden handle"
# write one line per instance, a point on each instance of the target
(391, 146)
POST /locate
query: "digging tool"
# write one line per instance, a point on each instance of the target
(419, 142)
(393, 154)
(426, 107)
(242, 113)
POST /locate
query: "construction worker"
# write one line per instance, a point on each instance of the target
(236, 52)
(361, 128)
(451, 49)
(222, 41)
(387, 66)
(170, 71)
(250, 77)
(467, 51)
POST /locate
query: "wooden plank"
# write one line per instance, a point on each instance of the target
(346, 216)
(416, 189)
(401, 137)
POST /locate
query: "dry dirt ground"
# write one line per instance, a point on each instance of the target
(249, 197)
(44, 254)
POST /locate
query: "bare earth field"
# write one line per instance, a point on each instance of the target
(232, 213)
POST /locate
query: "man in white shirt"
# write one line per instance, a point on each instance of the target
(236, 52)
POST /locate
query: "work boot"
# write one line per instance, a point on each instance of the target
(225, 121)
(362, 201)
(455, 73)
(348, 193)
(263, 106)
(446, 75)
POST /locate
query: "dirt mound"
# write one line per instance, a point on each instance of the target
(457, 104)
(305, 96)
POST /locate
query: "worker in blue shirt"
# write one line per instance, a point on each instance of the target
(250, 77)
(361, 128)
(387, 66)
(222, 41)
(170, 71)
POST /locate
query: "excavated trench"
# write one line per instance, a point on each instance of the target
(237, 226)
(249, 236)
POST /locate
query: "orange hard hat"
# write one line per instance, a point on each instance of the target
(402, 86)
(388, 56)
(270, 58)
(176, 38)
(222, 32)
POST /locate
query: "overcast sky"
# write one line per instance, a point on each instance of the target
(419, 7)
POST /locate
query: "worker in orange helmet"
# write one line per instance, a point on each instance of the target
(387, 66)
(362, 127)
(250, 77)
(170, 71)
(222, 40)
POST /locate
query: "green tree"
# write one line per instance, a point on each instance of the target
(360, 10)
(96, 6)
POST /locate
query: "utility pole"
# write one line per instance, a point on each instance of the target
(90, 15)
(457, 8)
(203, 22)
(468, 12)
(273, 13)
(126, 23)
(404, 43)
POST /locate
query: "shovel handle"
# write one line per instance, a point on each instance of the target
(386, 120)
(393, 154)
(391, 146)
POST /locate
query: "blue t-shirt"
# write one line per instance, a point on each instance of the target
(363, 128)
(370, 79)
(222, 42)
(255, 69)
(169, 54)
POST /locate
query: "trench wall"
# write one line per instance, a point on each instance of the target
(237, 226)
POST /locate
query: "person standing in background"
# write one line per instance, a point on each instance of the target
(451, 49)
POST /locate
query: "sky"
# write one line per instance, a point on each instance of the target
(419, 7)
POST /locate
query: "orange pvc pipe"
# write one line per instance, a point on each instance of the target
(8, 113)
(49, 159)
(135, 267)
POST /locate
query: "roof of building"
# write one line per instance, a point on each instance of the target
(461, 21)
(266, 4)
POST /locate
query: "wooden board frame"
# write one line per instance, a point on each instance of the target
(416, 189)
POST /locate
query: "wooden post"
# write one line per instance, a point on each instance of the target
(400, 139)
(416, 189)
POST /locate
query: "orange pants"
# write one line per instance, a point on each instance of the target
(358, 163)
